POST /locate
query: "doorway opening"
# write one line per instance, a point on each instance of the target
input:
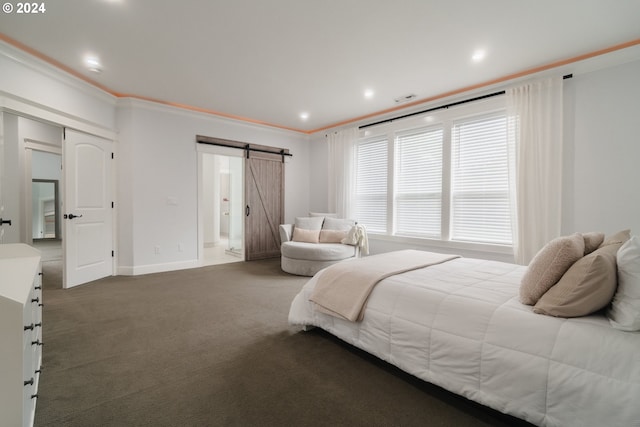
(222, 201)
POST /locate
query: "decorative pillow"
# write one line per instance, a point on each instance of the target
(332, 236)
(619, 238)
(592, 241)
(309, 223)
(624, 312)
(548, 266)
(307, 236)
(338, 224)
(324, 215)
(586, 287)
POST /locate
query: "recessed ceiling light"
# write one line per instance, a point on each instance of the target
(304, 115)
(368, 93)
(478, 55)
(93, 64)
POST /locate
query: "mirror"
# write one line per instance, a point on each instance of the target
(46, 218)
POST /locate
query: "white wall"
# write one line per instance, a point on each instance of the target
(25, 78)
(46, 165)
(211, 234)
(601, 184)
(319, 171)
(156, 162)
(157, 180)
(601, 158)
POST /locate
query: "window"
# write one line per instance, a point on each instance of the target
(480, 181)
(371, 184)
(418, 177)
(447, 181)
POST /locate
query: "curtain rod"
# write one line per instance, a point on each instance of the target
(441, 107)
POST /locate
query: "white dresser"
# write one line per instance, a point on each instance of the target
(20, 333)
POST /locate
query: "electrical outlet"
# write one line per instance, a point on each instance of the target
(157, 249)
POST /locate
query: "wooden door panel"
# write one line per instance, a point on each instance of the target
(264, 183)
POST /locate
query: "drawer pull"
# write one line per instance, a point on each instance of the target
(39, 371)
(36, 343)
(41, 305)
(29, 328)
(38, 287)
(34, 396)
(35, 300)
(38, 325)
(40, 273)
(30, 382)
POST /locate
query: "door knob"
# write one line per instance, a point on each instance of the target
(71, 216)
(5, 221)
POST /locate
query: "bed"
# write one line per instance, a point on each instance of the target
(459, 324)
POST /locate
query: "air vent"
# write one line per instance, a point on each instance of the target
(405, 98)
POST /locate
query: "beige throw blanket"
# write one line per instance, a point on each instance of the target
(343, 288)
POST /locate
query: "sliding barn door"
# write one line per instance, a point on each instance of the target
(264, 210)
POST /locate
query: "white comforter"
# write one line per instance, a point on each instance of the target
(460, 325)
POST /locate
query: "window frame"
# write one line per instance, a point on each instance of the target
(444, 118)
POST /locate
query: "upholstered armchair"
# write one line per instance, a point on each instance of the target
(315, 242)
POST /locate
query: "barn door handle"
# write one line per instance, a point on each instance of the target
(71, 216)
(5, 221)
(247, 210)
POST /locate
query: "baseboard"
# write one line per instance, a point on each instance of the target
(157, 268)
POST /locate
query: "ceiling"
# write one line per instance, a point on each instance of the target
(269, 61)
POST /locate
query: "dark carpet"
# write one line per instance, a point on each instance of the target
(212, 347)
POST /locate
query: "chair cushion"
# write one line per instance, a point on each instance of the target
(317, 251)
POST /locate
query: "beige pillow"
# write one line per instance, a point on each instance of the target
(586, 287)
(592, 241)
(619, 238)
(548, 266)
(307, 236)
(332, 236)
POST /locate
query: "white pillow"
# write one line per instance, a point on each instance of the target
(624, 312)
(338, 224)
(309, 223)
(324, 215)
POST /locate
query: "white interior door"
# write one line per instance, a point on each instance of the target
(88, 226)
(2, 178)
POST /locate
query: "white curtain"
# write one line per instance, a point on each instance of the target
(341, 171)
(535, 140)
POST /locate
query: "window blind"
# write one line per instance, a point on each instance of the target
(418, 180)
(480, 194)
(371, 184)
